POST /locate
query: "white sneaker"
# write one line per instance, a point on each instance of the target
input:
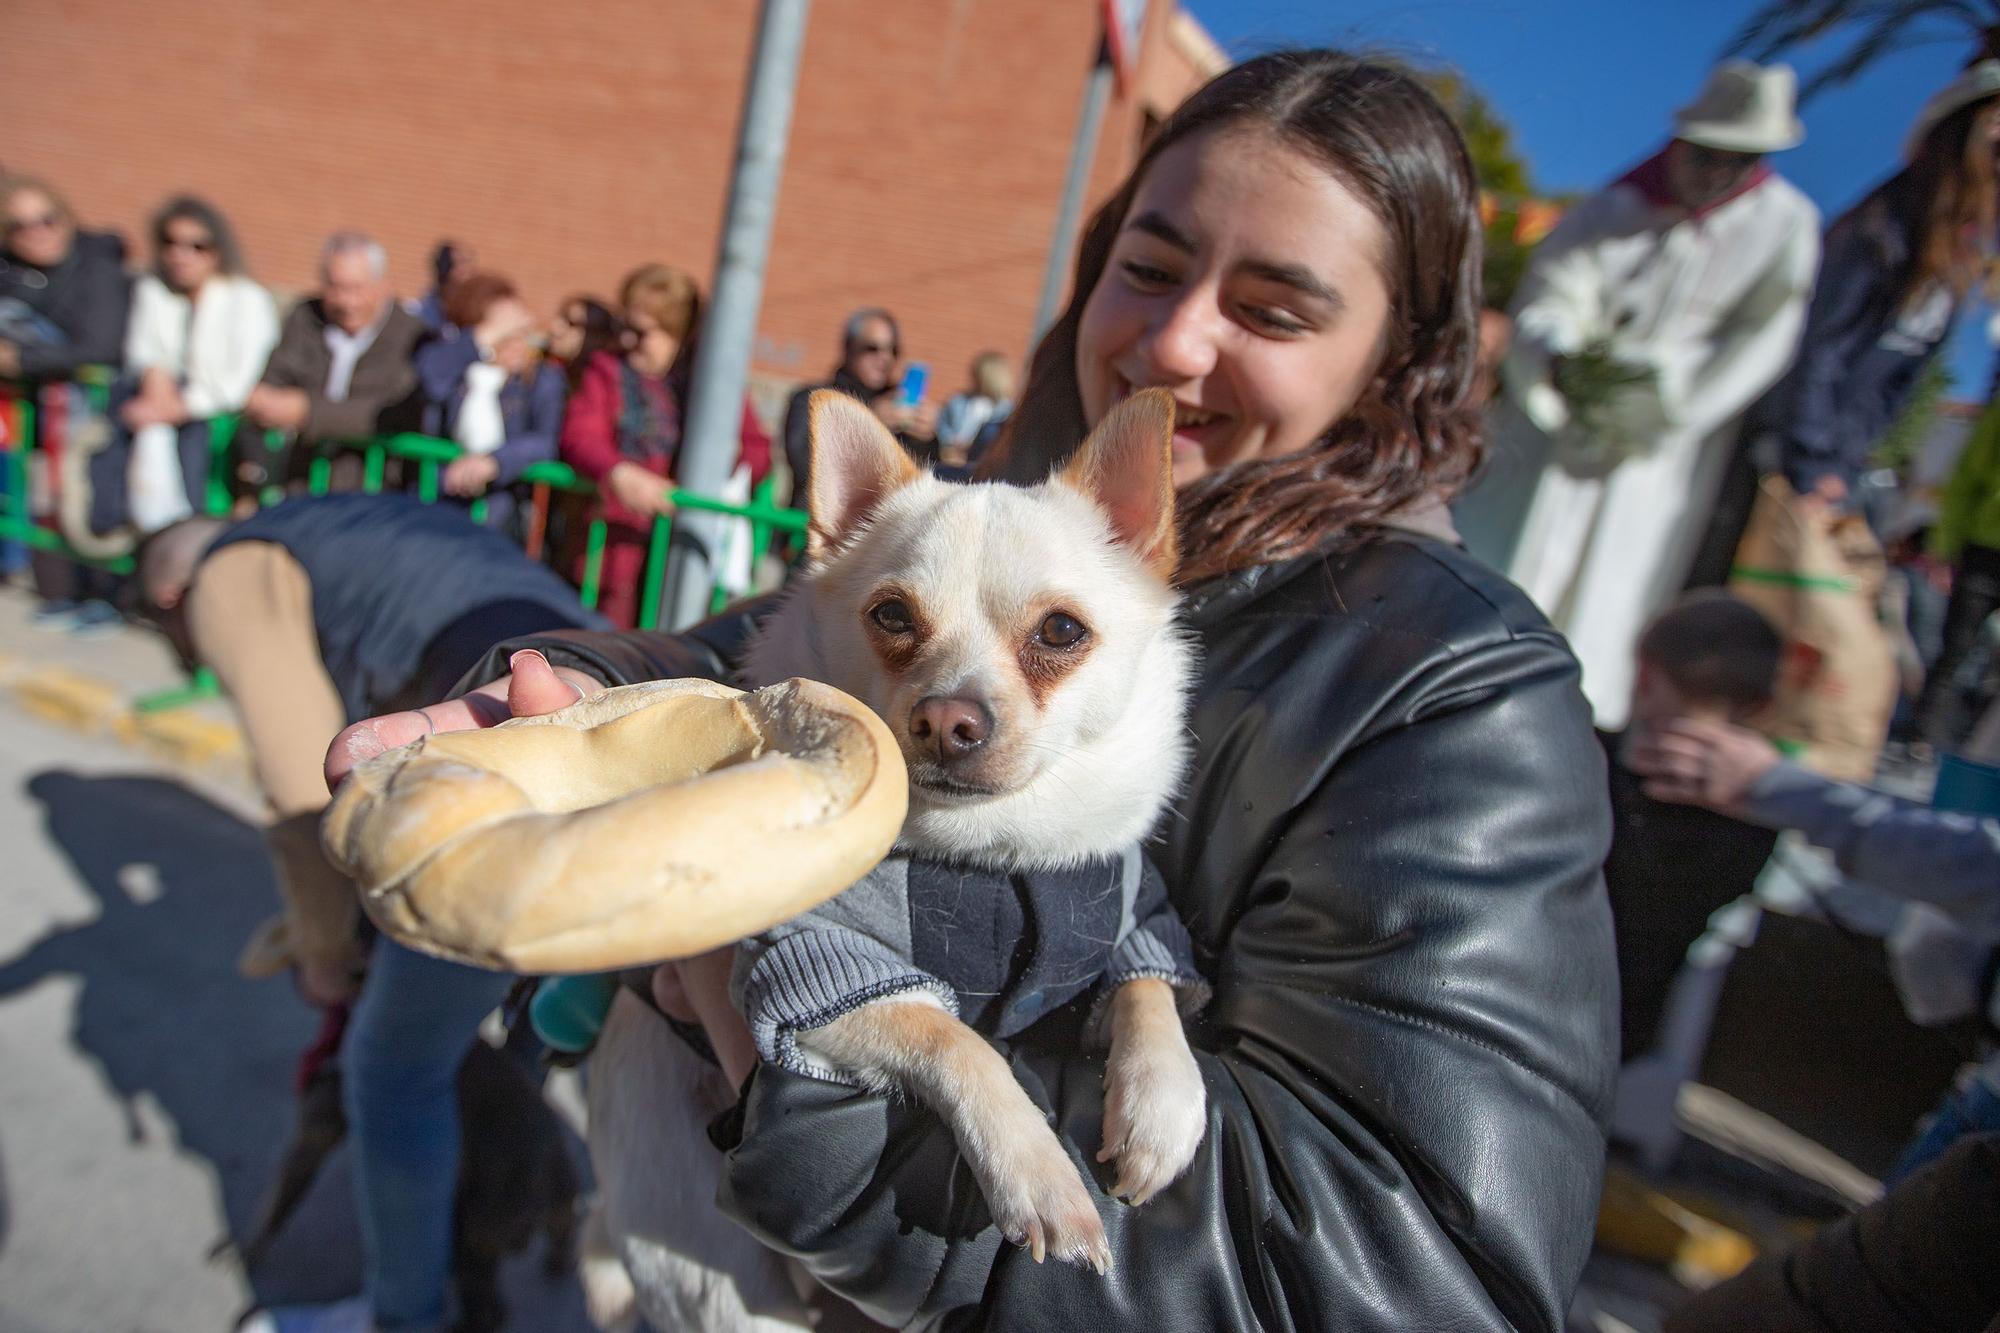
(348, 1316)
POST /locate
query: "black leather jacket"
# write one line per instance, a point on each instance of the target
(1388, 856)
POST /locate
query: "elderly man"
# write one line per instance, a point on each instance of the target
(343, 367)
(1648, 322)
(871, 349)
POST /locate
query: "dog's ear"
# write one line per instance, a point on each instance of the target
(1127, 467)
(856, 463)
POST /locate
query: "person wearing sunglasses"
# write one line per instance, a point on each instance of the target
(200, 333)
(63, 302)
(871, 349)
(63, 294)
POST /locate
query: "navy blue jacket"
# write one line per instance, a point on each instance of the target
(1861, 354)
(406, 596)
(531, 407)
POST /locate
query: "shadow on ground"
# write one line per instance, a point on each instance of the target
(180, 884)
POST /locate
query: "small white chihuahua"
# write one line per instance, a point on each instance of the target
(1021, 643)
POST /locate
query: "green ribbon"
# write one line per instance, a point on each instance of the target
(1789, 579)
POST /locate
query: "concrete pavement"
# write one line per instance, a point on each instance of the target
(145, 1089)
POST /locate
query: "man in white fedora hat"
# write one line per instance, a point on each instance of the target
(1647, 322)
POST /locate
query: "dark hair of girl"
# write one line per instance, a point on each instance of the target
(1413, 433)
(601, 333)
(1945, 203)
(190, 208)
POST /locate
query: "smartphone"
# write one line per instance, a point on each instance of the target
(916, 378)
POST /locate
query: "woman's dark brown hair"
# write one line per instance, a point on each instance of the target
(1945, 200)
(192, 208)
(1413, 433)
(601, 332)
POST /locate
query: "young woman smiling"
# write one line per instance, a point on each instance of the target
(1388, 847)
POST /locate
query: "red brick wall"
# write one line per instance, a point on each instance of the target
(570, 143)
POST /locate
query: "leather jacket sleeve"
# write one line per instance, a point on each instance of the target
(1408, 1058)
(710, 651)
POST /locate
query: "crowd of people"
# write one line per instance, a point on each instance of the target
(601, 386)
(1393, 848)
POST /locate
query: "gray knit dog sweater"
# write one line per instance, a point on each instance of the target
(998, 948)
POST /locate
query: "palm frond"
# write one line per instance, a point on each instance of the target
(1884, 26)
(1873, 46)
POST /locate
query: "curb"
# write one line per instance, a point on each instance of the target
(91, 706)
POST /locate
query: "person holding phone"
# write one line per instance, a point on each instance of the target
(870, 369)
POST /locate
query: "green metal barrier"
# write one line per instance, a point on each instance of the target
(17, 521)
(430, 455)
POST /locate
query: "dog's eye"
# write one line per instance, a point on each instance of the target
(1061, 631)
(893, 617)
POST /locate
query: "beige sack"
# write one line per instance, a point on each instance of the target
(1819, 580)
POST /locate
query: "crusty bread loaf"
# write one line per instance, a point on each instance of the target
(645, 823)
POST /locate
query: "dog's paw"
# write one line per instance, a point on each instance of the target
(1155, 1112)
(1041, 1203)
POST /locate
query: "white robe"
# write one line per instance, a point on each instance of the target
(1714, 305)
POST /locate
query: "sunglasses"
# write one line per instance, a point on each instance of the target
(200, 247)
(15, 226)
(874, 349)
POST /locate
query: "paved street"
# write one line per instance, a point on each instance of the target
(145, 1089)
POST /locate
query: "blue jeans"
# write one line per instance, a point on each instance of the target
(415, 1020)
(1972, 1107)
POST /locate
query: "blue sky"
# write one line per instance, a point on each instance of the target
(1590, 86)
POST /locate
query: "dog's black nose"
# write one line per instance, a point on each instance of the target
(954, 726)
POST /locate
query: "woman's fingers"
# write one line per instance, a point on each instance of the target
(377, 735)
(533, 689)
(536, 687)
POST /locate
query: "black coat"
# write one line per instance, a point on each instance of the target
(87, 296)
(1388, 857)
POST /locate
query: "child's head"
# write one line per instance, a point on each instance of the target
(1708, 655)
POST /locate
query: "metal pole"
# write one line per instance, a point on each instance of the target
(709, 446)
(1062, 247)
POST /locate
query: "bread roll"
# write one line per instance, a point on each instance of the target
(645, 823)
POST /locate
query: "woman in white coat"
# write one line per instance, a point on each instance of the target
(200, 332)
(1689, 277)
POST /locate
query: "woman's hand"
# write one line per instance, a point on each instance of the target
(157, 402)
(535, 688)
(139, 412)
(916, 420)
(696, 990)
(641, 491)
(470, 475)
(1694, 761)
